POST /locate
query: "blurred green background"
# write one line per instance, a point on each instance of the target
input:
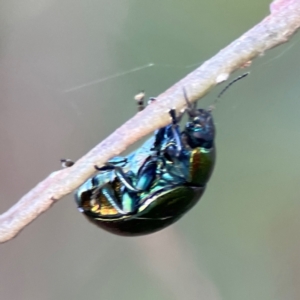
(69, 70)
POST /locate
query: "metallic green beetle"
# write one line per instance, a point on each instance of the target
(158, 183)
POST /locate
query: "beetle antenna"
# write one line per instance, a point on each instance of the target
(191, 108)
(227, 87)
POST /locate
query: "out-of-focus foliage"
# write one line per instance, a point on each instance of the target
(69, 70)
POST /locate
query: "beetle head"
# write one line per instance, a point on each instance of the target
(200, 130)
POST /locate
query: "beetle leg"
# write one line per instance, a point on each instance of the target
(145, 177)
(127, 206)
(118, 160)
(123, 177)
(159, 138)
(175, 149)
(146, 174)
(162, 134)
(191, 107)
(111, 164)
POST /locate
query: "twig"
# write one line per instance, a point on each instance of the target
(274, 30)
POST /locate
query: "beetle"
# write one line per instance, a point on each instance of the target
(158, 183)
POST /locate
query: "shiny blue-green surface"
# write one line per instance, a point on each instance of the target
(158, 183)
